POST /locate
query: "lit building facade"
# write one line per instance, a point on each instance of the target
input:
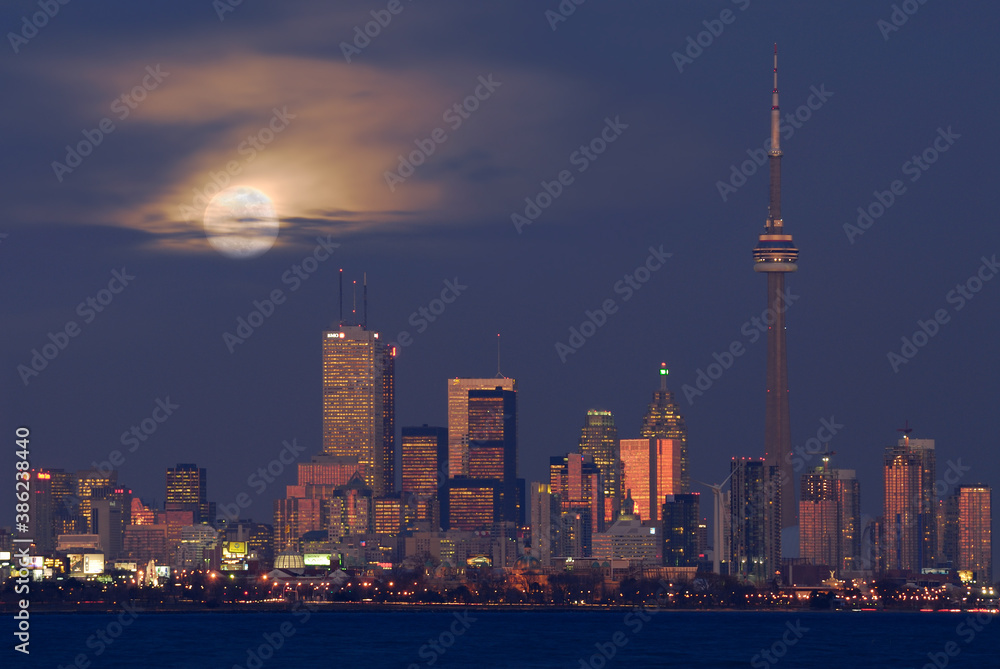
(86, 482)
(458, 418)
(909, 532)
(327, 470)
(492, 431)
(388, 515)
(359, 403)
(143, 543)
(470, 504)
(187, 490)
(352, 509)
(975, 520)
(818, 518)
(578, 483)
(630, 540)
(424, 459)
(663, 420)
(651, 470)
(599, 441)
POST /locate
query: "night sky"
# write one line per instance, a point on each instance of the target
(682, 118)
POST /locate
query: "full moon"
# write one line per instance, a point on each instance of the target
(240, 222)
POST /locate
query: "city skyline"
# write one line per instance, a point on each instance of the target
(656, 186)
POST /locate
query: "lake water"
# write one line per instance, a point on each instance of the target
(481, 639)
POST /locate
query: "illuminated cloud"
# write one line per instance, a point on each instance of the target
(316, 135)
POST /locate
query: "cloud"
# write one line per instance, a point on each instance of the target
(316, 134)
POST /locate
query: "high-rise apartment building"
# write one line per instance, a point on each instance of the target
(909, 532)
(755, 532)
(818, 518)
(975, 520)
(359, 403)
(599, 442)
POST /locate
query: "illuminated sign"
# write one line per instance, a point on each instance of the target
(93, 563)
(162, 571)
(231, 548)
(43, 476)
(4, 555)
(316, 559)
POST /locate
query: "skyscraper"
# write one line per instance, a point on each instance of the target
(424, 459)
(775, 255)
(44, 509)
(577, 481)
(599, 441)
(458, 418)
(187, 491)
(663, 420)
(909, 507)
(359, 403)
(818, 526)
(109, 518)
(470, 504)
(492, 444)
(830, 518)
(651, 470)
(975, 519)
(849, 518)
(755, 532)
(680, 529)
(545, 515)
(87, 481)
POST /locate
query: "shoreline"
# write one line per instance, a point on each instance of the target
(368, 607)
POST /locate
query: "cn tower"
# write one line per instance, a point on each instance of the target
(776, 255)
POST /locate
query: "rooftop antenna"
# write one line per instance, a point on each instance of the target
(826, 457)
(354, 309)
(364, 315)
(341, 297)
(663, 376)
(906, 430)
(499, 375)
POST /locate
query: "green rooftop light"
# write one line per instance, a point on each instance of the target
(663, 371)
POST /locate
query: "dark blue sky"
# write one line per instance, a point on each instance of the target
(886, 97)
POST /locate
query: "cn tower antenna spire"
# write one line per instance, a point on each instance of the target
(774, 222)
